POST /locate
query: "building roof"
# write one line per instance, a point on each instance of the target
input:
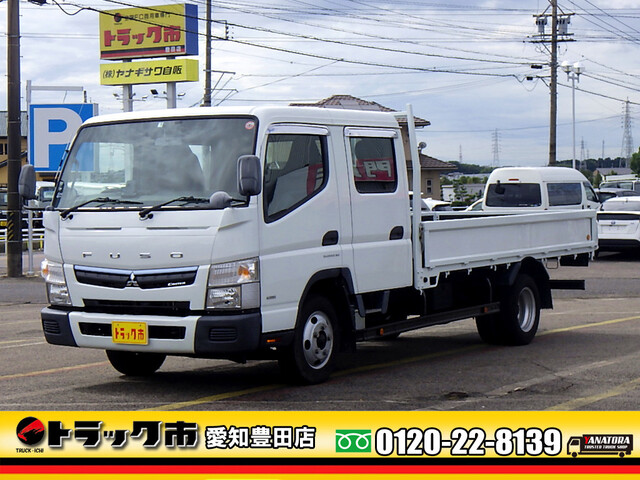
(430, 163)
(350, 102)
(604, 171)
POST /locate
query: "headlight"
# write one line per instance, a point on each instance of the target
(57, 291)
(234, 285)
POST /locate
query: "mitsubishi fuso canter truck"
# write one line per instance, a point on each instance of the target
(277, 232)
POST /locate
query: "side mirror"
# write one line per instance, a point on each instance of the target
(27, 182)
(249, 175)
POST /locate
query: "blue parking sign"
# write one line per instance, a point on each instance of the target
(51, 128)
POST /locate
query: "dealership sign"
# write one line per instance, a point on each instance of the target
(151, 71)
(51, 128)
(160, 31)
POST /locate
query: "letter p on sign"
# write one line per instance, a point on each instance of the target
(51, 128)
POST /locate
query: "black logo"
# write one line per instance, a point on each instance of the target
(618, 444)
(30, 431)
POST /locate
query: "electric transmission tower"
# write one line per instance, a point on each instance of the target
(495, 141)
(627, 137)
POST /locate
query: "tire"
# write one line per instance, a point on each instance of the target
(519, 316)
(135, 364)
(312, 356)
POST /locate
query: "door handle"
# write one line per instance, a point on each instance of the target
(396, 233)
(330, 238)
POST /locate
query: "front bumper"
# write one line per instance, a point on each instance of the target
(211, 336)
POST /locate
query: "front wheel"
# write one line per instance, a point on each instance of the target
(135, 364)
(311, 358)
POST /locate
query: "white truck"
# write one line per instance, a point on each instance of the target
(276, 232)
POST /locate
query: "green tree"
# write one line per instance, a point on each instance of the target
(635, 162)
(588, 174)
(597, 180)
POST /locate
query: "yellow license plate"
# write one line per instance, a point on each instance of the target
(130, 333)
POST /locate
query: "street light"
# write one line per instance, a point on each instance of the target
(130, 100)
(573, 73)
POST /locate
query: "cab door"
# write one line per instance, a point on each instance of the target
(301, 232)
(381, 231)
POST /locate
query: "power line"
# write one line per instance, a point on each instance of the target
(326, 57)
(350, 44)
(371, 36)
(392, 67)
(612, 29)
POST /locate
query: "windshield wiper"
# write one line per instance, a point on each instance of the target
(68, 211)
(146, 212)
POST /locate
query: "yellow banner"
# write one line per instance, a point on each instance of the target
(157, 31)
(153, 71)
(321, 435)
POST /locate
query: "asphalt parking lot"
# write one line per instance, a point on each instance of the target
(585, 357)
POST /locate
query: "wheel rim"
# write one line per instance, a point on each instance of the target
(526, 309)
(317, 340)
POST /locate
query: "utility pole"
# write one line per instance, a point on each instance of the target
(14, 139)
(627, 137)
(206, 102)
(559, 24)
(553, 83)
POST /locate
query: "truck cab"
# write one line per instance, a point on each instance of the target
(149, 222)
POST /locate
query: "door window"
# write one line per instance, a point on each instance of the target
(564, 194)
(374, 165)
(295, 171)
(514, 195)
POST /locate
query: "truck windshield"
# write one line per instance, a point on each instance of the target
(145, 163)
(514, 195)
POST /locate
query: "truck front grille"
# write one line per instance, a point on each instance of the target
(144, 279)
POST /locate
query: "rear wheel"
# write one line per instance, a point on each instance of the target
(311, 358)
(135, 364)
(519, 316)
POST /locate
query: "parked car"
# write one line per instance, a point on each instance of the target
(626, 184)
(538, 188)
(44, 193)
(607, 193)
(436, 205)
(619, 224)
(475, 206)
(431, 205)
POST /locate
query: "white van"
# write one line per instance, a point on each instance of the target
(538, 188)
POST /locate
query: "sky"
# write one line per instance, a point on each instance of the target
(463, 65)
